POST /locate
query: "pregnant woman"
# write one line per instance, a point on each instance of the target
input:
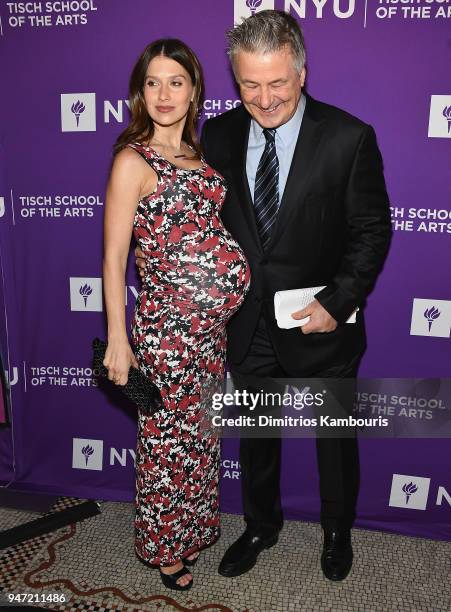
(196, 276)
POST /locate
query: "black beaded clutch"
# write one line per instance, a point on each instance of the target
(138, 387)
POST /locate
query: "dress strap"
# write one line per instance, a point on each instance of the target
(149, 155)
(140, 149)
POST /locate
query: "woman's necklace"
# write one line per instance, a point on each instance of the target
(178, 156)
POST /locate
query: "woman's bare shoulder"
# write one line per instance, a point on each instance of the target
(129, 162)
(128, 156)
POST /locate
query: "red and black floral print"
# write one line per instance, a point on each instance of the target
(196, 278)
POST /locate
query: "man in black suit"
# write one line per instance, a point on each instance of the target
(307, 203)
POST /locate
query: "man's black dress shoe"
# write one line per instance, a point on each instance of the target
(336, 560)
(243, 554)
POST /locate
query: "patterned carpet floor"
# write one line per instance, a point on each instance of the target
(93, 565)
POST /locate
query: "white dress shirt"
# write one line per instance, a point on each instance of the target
(286, 138)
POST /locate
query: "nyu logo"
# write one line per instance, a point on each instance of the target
(14, 379)
(440, 117)
(409, 492)
(447, 114)
(343, 9)
(87, 454)
(431, 318)
(78, 112)
(246, 8)
(431, 314)
(412, 492)
(78, 108)
(253, 5)
(85, 294)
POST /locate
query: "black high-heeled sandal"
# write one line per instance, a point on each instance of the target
(191, 562)
(170, 580)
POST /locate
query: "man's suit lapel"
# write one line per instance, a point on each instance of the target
(239, 147)
(307, 146)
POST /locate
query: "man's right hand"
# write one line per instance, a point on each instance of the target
(140, 262)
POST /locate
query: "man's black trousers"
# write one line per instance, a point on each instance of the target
(260, 457)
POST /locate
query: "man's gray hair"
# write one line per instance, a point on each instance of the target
(266, 32)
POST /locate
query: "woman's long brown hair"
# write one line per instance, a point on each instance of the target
(141, 128)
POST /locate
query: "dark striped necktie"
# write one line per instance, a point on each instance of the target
(266, 193)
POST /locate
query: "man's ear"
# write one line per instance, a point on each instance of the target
(302, 76)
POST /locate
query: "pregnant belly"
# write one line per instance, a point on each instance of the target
(211, 277)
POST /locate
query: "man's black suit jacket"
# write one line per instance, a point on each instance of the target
(333, 228)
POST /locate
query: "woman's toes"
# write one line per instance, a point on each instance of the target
(184, 580)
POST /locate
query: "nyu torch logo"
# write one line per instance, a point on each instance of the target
(440, 117)
(87, 451)
(78, 112)
(77, 109)
(253, 5)
(431, 317)
(242, 9)
(447, 115)
(409, 489)
(409, 492)
(85, 292)
(431, 314)
(87, 454)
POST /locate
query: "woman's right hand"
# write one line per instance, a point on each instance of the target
(118, 359)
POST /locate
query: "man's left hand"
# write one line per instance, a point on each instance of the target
(140, 262)
(320, 320)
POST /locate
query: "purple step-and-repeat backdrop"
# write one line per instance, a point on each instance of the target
(387, 62)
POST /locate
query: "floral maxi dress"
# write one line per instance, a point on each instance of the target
(196, 278)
